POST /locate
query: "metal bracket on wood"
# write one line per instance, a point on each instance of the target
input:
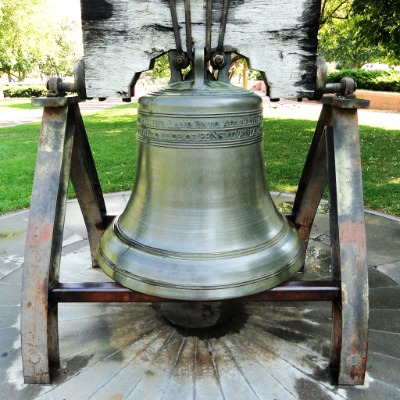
(64, 153)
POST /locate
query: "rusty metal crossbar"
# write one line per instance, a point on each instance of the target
(64, 153)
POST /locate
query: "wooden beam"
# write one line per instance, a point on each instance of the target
(125, 36)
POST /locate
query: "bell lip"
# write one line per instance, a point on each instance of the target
(201, 293)
(173, 254)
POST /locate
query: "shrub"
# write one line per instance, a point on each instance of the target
(24, 90)
(384, 81)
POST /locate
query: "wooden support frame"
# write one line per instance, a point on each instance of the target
(64, 153)
(334, 158)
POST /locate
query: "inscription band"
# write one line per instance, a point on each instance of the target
(218, 130)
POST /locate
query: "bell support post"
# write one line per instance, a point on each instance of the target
(348, 242)
(334, 158)
(63, 153)
(39, 319)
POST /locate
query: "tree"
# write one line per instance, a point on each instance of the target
(63, 49)
(341, 42)
(32, 38)
(380, 24)
(334, 9)
(16, 51)
(340, 39)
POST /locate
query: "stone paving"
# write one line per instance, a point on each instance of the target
(267, 351)
(15, 116)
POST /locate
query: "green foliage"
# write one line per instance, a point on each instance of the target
(334, 9)
(24, 90)
(161, 67)
(343, 38)
(380, 24)
(33, 40)
(16, 41)
(63, 51)
(386, 81)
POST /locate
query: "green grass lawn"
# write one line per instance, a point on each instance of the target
(112, 137)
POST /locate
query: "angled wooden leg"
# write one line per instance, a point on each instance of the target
(350, 316)
(39, 333)
(336, 337)
(313, 180)
(87, 186)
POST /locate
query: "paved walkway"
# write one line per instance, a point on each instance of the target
(267, 351)
(281, 109)
(15, 116)
(311, 110)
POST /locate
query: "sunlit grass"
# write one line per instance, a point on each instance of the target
(112, 137)
(287, 142)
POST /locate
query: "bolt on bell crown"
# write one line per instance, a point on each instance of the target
(200, 223)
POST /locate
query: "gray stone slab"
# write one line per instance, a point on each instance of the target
(372, 390)
(385, 343)
(392, 270)
(383, 240)
(10, 294)
(76, 264)
(74, 222)
(12, 242)
(378, 279)
(386, 298)
(10, 340)
(10, 265)
(9, 316)
(385, 321)
(14, 278)
(377, 365)
(293, 324)
(318, 261)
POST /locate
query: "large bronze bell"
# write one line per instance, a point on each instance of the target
(200, 223)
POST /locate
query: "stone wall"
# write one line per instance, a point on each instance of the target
(381, 100)
(384, 101)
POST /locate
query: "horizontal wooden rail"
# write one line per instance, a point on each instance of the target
(113, 292)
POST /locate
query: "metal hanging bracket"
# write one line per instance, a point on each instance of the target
(58, 88)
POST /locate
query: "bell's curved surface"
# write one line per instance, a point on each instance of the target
(200, 223)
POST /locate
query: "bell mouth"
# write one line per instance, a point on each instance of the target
(202, 277)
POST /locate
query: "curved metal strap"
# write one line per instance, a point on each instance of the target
(208, 28)
(222, 27)
(188, 23)
(175, 25)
